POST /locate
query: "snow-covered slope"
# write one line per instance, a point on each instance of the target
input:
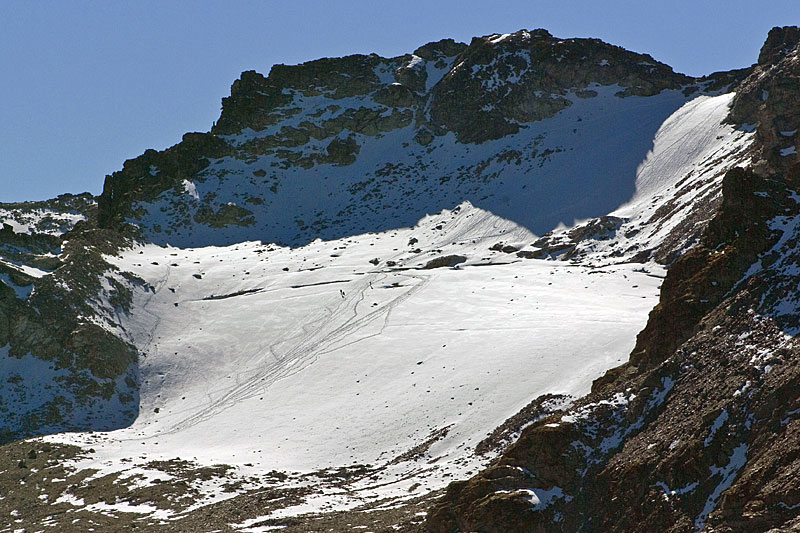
(348, 352)
(363, 282)
(677, 189)
(338, 362)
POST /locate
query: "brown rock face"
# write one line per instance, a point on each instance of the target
(701, 278)
(767, 100)
(699, 431)
(499, 82)
(779, 44)
(154, 172)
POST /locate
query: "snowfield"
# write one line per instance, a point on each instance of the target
(338, 362)
(349, 352)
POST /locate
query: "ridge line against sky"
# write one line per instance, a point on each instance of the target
(91, 84)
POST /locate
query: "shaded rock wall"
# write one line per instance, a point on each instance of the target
(65, 364)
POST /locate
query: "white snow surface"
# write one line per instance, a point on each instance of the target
(257, 365)
(25, 269)
(691, 151)
(307, 358)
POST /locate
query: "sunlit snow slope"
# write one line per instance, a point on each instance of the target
(347, 351)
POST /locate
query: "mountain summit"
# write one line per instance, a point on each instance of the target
(335, 147)
(551, 271)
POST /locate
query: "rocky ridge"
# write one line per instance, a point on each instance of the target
(309, 119)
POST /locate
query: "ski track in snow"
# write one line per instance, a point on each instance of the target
(310, 380)
(312, 342)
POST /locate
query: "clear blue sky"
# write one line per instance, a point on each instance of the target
(86, 85)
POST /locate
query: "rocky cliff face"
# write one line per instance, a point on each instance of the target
(65, 363)
(698, 431)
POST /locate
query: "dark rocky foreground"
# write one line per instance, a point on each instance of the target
(41, 488)
(700, 429)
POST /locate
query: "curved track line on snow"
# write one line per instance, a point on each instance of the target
(316, 337)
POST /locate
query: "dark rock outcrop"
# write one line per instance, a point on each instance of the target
(65, 370)
(145, 177)
(499, 82)
(444, 261)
